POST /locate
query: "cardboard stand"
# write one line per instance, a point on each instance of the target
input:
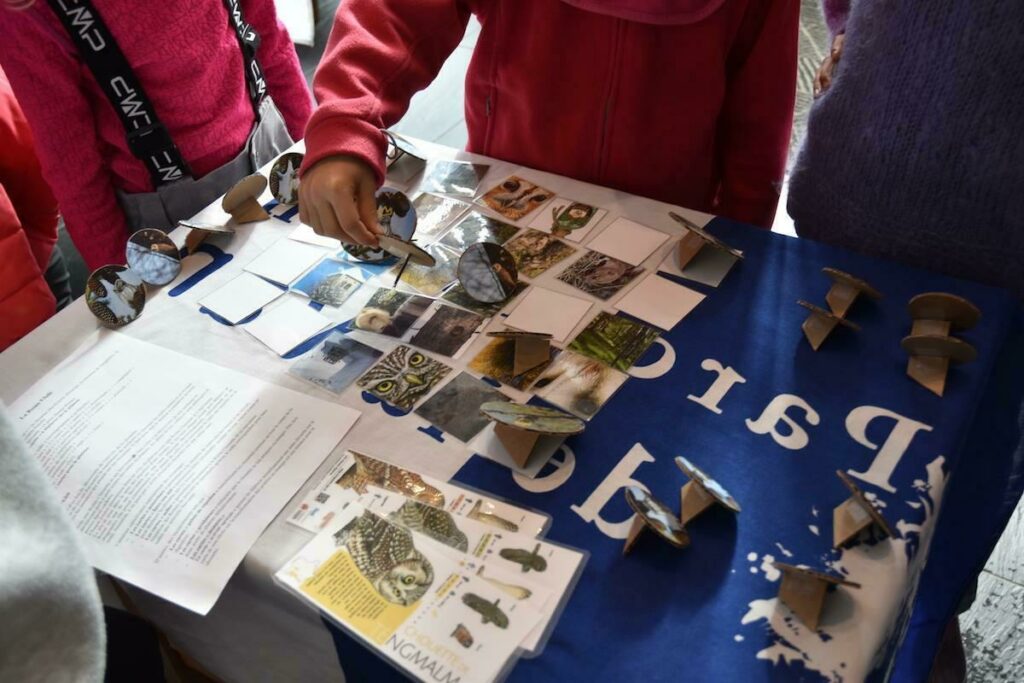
(854, 515)
(820, 324)
(518, 426)
(700, 493)
(405, 249)
(241, 201)
(803, 591)
(930, 344)
(694, 241)
(531, 349)
(845, 290)
(652, 515)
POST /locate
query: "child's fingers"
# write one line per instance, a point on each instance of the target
(347, 216)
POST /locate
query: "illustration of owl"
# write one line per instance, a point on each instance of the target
(390, 204)
(403, 377)
(385, 555)
(431, 521)
(367, 470)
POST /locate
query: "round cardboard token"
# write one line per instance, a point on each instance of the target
(705, 235)
(960, 312)
(284, 178)
(939, 346)
(707, 483)
(657, 516)
(115, 295)
(208, 227)
(487, 272)
(519, 334)
(827, 576)
(249, 187)
(532, 418)
(828, 314)
(403, 249)
(396, 216)
(153, 257)
(842, 277)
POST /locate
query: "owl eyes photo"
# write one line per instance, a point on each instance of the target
(407, 580)
(510, 185)
(416, 359)
(385, 386)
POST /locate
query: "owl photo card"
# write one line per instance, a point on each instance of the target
(408, 601)
(391, 312)
(356, 474)
(327, 283)
(403, 377)
(568, 219)
(535, 252)
(515, 197)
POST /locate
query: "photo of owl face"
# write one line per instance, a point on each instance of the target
(384, 553)
(403, 377)
(516, 197)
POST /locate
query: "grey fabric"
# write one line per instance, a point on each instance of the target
(185, 198)
(51, 621)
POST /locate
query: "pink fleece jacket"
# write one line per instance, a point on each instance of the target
(186, 56)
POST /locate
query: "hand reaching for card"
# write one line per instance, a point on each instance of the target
(336, 198)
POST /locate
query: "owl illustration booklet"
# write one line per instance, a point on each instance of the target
(407, 601)
(359, 473)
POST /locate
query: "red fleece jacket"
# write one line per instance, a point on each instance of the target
(696, 114)
(28, 226)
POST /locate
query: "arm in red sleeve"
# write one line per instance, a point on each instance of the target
(280, 65)
(45, 77)
(22, 178)
(757, 116)
(25, 298)
(379, 54)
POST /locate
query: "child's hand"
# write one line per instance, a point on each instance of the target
(336, 198)
(823, 79)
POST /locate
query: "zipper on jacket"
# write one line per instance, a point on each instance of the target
(613, 72)
(487, 106)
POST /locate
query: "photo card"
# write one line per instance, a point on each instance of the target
(516, 197)
(403, 377)
(455, 408)
(568, 219)
(459, 178)
(497, 361)
(475, 228)
(599, 275)
(336, 363)
(457, 295)
(327, 283)
(448, 330)
(578, 384)
(434, 214)
(614, 340)
(390, 312)
(535, 252)
(429, 280)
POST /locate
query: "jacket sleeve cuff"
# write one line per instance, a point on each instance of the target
(327, 137)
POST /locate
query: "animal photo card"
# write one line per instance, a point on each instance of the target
(578, 384)
(391, 313)
(394, 591)
(434, 214)
(599, 275)
(535, 252)
(497, 361)
(516, 197)
(356, 474)
(403, 377)
(455, 408)
(475, 228)
(457, 295)
(429, 280)
(448, 330)
(568, 219)
(459, 178)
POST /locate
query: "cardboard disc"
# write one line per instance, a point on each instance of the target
(208, 227)
(716, 490)
(152, 256)
(487, 272)
(396, 216)
(284, 178)
(249, 187)
(657, 516)
(939, 346)
(518, 334)
(842, 277)
(705, 235)
(818, 310)
(865, 503)
(115, 295)
(402, 249)
(529, 418)
(958, 311)
(828, 577)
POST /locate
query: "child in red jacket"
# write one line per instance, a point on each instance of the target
(685, 101)
(28, 226)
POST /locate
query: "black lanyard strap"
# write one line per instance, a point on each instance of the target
(148, 139)
(249, 41)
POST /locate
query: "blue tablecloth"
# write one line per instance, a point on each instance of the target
(705, 613)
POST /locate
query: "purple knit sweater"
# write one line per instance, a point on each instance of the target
(916, 152)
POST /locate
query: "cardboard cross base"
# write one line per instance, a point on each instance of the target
(820, 324)
(531, 349)
(930, 344)
(854, 515)
(242, 200)
(803, 591)
(845, 290)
